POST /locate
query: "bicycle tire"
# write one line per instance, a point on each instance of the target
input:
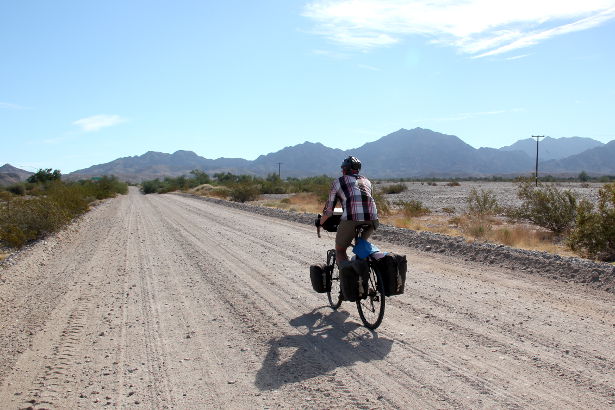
(371, 308)
(334, 293)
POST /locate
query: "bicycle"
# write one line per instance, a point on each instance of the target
(371, 305)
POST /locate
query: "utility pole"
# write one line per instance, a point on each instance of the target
(537, 138)
(279, 169)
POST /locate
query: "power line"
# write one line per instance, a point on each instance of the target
(538, 137)
(279, 168)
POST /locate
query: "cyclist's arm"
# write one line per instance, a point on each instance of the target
(331, 201)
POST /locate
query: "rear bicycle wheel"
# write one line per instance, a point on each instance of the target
(371, 308)
(333, 274)
(335, 293)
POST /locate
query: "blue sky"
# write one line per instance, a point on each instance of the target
(86, 82)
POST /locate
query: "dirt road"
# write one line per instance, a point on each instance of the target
(167, 301)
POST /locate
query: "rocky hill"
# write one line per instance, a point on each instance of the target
(12, 175)
(554, 148)
(599, 160)
(153, 165)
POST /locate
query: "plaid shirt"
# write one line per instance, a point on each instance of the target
(355, 194)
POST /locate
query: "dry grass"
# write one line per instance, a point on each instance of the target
(221, 192)
(302, 202)
(490, 229)
(202, 190)
(4, 256)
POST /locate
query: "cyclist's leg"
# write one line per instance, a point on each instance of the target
(369, 231)
(343, 239)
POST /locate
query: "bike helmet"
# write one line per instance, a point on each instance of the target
(351, 165)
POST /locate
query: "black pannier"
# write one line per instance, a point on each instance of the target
(321, 282)
(354, 279)
(392, 268)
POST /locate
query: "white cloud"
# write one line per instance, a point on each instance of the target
(475, 27)
(97, 122)
(518, 57)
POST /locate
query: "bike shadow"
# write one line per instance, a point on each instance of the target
(330, 342)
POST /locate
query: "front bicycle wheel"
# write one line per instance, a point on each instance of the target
(335, 294)
(371, 308)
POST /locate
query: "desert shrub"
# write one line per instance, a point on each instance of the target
(394, 188)
(546, 206)
(182, 182)
(273, 184)
(320, 185)
(453, 183)
(54, 205)
(29, 219)
(17, 189)
(220, 192)
(482, 203)
(242, 192)
(104, 187)
(45, 175)
(151, 186)
(69, 199)
(413, 208)
(382, 204)
(594, 233)
(476, 227)
(199, 177)
(432, 183)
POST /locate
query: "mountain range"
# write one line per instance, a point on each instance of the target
(404, 153)
(554, 148)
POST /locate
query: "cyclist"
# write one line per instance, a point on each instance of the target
(354, 191)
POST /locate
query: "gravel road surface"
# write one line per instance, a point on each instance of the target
(167, 301)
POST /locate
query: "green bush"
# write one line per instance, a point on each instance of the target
(482, 203)
(320, 186)
(394, 188)
(151, 186)
(273, 184)
(17, 189)
(242, 192)
(55, 204)
(200, 177)
(594, 234)
(29, 219)
(104, 187)
(546, 206)
(413, 208)
(45, 175)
